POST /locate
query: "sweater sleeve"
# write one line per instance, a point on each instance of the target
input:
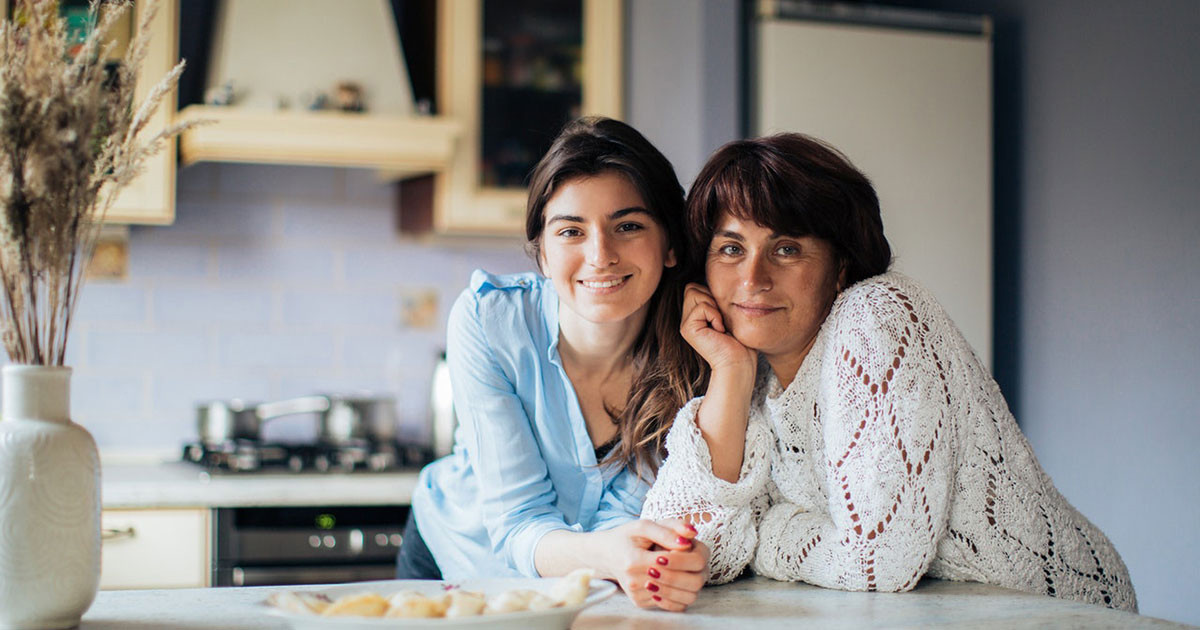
(883, 405)
(725, 514)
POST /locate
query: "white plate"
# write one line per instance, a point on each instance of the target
(549, 619)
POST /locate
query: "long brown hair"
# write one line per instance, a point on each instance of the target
(665, 370)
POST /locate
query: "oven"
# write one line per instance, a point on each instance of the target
(262, 546)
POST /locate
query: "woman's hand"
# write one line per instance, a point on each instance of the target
(657, 564)
(723, 415)
(704, 329)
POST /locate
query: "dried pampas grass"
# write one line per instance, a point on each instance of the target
(70, 140)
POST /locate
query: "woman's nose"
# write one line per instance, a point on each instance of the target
(755, 275)
(601, 252)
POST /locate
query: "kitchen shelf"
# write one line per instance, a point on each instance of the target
(402, 146)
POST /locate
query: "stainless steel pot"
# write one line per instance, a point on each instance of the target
(220, 421)
(341, 419)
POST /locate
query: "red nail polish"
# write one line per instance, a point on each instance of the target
(656, 598)
(690, 527)
(683, 541)
(651, 586)
(661, 560)
(654, 573)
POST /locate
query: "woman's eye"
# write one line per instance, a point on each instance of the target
(787, 250)
(570, 232)
(629, 227)
(729, 249)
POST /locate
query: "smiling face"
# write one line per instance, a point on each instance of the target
(773, 290)
(602, 249)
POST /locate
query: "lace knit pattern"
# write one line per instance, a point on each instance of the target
(890, 456)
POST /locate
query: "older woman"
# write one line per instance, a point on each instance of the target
(849, 437)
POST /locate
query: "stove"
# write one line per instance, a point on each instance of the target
(249, 456)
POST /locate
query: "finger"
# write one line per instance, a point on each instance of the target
(669, 595)
(661, 535)
(681, 527)
(691, 559)
(682, 580)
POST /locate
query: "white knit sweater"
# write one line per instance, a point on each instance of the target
(890, 456)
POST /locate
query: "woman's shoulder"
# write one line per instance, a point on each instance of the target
(498, 305)
(503, 291)
(888, 299)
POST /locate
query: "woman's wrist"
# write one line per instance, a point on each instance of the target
(723, 418)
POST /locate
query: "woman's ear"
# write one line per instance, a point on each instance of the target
(670, 261)
(841, 283)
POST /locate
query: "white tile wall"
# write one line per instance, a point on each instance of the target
(273, 282)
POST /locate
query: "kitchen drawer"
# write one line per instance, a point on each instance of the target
(155, 548)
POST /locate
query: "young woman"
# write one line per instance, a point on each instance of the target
(849, 437)
(559, 390)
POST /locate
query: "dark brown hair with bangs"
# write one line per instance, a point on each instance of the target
(796, 185)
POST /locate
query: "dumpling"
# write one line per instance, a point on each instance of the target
(299, 602)
(412, 604)
(542, 602)
(515, 600)
(362, 605)
(462, 603)
(573, 587)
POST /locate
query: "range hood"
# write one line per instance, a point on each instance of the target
(277, 54)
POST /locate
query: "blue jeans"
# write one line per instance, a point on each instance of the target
(414, 561)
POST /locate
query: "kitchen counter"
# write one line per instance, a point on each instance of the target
(756, 602)
(183, 484)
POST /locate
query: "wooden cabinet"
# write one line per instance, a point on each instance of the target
(512, 73)
(156, 548)
(151, 197)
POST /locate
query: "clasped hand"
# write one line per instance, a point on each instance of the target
(658, 564)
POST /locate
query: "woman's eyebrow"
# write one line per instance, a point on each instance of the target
(612, 217)
(564, 217)
(626, 212)
(728, 234)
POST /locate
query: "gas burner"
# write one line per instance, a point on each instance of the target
(244, 456)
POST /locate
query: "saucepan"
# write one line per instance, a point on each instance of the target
(341, 419)
(220, 421)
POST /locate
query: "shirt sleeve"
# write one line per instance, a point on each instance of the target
(888, 456)
(725, 514)
(516, 496)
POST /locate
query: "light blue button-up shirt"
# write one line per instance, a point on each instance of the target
(523, 464)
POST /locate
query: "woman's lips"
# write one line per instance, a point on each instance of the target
(756, 310)
(602, 286)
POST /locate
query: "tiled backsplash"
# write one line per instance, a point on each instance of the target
(273, 282)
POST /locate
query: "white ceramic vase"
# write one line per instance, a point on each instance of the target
(49, 503)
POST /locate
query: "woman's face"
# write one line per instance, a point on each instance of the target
(602, 249)
(773, 290)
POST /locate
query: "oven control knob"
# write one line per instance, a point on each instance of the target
(329, 541)
(396, 539)
(381, 539)
(314, 541)
(321, 463)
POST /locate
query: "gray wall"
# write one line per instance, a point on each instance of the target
(1097, 227)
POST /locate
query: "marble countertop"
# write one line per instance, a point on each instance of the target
(182, 484)
(757, 603)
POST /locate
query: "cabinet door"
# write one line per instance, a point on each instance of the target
(151, 197)
(514, 72)
(155, 548)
